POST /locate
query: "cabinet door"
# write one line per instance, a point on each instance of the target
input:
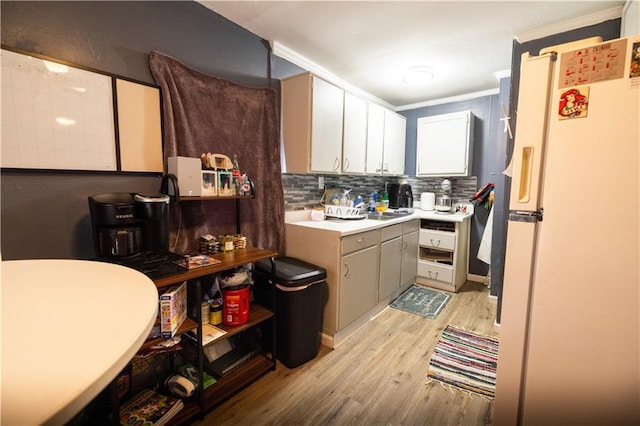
(358, 286)
(390, 267)
(410, 247)
(395, 127)
(326, 130)
(375, 138)
(444, 145)
(354, 139)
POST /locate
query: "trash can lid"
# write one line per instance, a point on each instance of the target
(292, 272)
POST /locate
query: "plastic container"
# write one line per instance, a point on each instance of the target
(428, 201)
(235, 305)
(300, 290)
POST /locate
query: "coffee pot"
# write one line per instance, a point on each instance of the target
(126, 225)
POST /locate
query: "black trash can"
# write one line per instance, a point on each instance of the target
(299, 297)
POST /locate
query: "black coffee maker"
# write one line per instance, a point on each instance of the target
(128, 225)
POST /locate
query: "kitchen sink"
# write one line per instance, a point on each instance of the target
(388, 215)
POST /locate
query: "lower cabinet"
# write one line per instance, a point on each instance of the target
(410, 248)
(364, 270)
(357, 294)
(390, 260)
(398, 257)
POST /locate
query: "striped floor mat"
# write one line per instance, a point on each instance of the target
(466, 361)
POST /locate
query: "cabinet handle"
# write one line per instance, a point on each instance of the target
(435, 275)
(404, 245)
(336, 164)
(435, 242)
(345, 164)
(346, 269)
(362, 241)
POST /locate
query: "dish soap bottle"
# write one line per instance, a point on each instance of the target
(372, 202)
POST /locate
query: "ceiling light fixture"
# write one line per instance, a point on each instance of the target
(417, 75)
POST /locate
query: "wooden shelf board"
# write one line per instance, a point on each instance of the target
(187, 325)
(228, 260)
(215, 197)
(229, 385)
(223, 389)
(257, 314)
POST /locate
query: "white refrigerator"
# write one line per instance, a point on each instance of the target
(570, 319)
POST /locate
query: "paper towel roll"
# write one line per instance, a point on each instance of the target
(427, 201)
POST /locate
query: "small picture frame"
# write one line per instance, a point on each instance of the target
(209, 183)
(226, 186)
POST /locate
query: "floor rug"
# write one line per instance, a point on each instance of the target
(421, 301)
(466, 361)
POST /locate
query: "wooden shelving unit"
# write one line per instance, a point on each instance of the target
(205, 400)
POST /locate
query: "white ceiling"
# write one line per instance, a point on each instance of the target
(364, 46)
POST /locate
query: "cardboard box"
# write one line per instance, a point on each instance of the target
(173, 309)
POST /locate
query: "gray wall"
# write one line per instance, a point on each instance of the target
(44, 213)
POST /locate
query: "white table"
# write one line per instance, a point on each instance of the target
(68, 328)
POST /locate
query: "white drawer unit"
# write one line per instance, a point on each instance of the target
(435, 271)
(443, 257)
(441, 240)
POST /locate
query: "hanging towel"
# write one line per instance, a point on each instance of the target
(484, 251)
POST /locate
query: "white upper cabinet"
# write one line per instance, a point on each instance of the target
(328, 130)
(354, 138)
(312, 119)
(326, 127)
(395, 133)
(445, 145)
(386, 136)
(375, 139)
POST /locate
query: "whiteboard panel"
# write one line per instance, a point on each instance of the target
(55, 116)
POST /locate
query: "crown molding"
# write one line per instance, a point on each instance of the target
(303, 62)
(451, 99)
(560, 27)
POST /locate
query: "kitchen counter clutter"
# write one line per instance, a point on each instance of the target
(348, 226)
(369, 262)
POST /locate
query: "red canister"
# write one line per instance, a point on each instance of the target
(235, 305)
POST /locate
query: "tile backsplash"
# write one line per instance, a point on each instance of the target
(301, 190)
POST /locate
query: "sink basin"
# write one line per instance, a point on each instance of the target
(387, 215)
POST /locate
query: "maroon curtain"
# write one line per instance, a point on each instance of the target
(203, 113)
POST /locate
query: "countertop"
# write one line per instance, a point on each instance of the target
(348, 227)
(68, 328)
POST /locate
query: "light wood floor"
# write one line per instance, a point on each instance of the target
(377, 377)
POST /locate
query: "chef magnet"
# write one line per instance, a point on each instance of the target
(574, 103)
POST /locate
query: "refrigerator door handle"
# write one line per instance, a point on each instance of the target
(525, 216)
(526, 170)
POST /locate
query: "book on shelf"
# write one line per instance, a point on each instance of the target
(149, 407)
(193, 261)
(209, 333)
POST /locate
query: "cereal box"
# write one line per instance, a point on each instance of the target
(173, 309)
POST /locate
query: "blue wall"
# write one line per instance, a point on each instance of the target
(486, 111)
